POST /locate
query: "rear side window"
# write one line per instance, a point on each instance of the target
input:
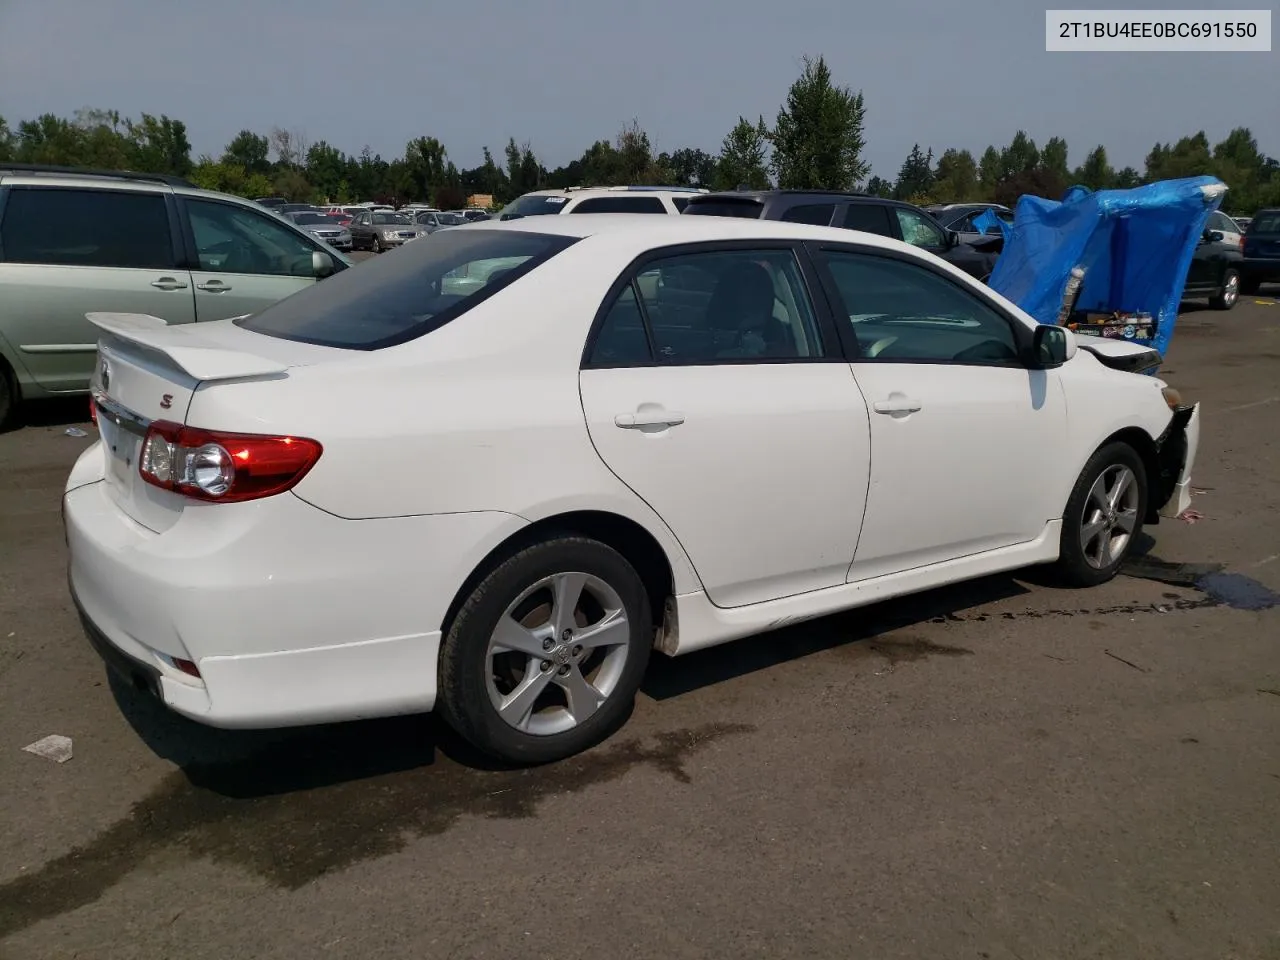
(392, 300)
(620, 205)
(818, 214)
(747, 207)
(86, 228)
(1220, 221)
(869, 218)
(533, 205)
(680, 203)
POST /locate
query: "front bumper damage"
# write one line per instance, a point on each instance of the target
(1175, 457)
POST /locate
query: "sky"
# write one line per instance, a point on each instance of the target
(561, 74)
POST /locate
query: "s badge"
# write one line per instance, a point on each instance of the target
(166, 401)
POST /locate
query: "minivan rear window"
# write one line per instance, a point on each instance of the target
(534, 205)
(1265, 221)
(391, 300)
(746, 207)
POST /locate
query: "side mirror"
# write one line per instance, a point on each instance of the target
(1214, 236)
(321, 264)
(1052, 346)
(953, 239)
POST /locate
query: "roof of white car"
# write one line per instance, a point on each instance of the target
(657, 230)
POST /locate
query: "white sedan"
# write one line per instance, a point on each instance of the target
(489, 473)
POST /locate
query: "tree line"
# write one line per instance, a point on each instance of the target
(816, 141)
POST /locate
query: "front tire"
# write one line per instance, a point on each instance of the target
(545, 657)
(1226, 298)
(1103, 517)
(376, 246)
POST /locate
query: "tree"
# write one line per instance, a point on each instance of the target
(290, 146)
(916, 176)
(6, 141)
(1189, 157)
(689, 167)
(326, 170)
(817, 138)
(160, 145)
(990, 172)
(879, 187)
(743, 156)
(1020, 156)
(1096, 173)
(1053, 158)
(956, 178)
(250, 151)
(1127, 178)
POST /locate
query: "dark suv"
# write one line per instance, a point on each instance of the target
(853, 211)
(1261, 251)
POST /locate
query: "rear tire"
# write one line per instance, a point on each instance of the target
(376, 246)
(545, 656)
(1103, 516)
(9, 397)
(1226, 298)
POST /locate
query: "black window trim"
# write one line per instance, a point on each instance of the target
(175, 231)
(192, 254)
(1022, 334)
(830, 341)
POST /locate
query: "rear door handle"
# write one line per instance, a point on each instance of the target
(901, 405)
(213, 286)
(658, 418)
(168, 283)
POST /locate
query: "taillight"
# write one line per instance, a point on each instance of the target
(223, 467)
(93, 411)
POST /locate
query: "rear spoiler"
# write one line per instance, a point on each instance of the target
(183, 345)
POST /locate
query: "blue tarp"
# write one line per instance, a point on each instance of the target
(988, 219)
(1134, 245)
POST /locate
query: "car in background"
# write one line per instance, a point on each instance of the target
(378, 230)
(324, 227)
(270, 202)
(960, 217)
(433, 220)
(76, 242)
(851, 211)
(285, 209)
(475, 213)
(635, 199)
(1216, 269)
(1261, 262)
(1243, 223)
(887, 424)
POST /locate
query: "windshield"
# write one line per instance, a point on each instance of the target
(391, 219)
(391, 300)
(450, 219)
(1266, 222)
(533, 205)
(312, 218)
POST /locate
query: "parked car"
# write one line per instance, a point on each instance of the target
(475, 213)
(285, 209)
(1261, 251)
(378, 231)
(270, 202)
(852, 211)
(433, 220)
(128, 242)
(1243, 223)
(324, 227)
(1215, 270)
(636, 199)
(412, 489)
(960, 216)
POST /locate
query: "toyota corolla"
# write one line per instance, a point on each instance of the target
(489, 475)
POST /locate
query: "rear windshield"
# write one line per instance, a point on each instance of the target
(746, 207)
(391, 300)
(1268, 221)
(307, 219)
(533, 205)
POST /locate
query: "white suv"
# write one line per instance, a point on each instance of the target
(670, 200)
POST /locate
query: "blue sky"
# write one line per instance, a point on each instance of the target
(562, 73)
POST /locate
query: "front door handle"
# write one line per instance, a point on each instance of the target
(898, 405)
(656, 418)
(168, 283)
(213, 286)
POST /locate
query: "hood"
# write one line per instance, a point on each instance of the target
(1122, 355)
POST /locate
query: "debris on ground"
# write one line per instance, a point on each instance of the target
(53, 747)
(75, 432)
(1190, 516)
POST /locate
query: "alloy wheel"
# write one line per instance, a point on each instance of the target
(557, 653)
(1110, 516)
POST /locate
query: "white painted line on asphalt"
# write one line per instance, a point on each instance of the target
(1256, 403)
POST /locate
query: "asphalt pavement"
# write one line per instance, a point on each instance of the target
(1003, 769)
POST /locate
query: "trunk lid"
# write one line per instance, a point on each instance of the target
(147, 370)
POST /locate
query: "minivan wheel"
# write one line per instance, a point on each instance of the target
(1226, 297)
(545, 656)
(1103, 517)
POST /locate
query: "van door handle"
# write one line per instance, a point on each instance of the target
(213, 286)
(168, 283)
(656, 418)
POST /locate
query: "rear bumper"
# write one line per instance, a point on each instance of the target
(1262, 269)
(291, 615)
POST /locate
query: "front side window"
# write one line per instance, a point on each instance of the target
(726, 306)
(86, 228)
(620, 205)
(391, 300)
(231, 239)
(918, 230)
(905, 313)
